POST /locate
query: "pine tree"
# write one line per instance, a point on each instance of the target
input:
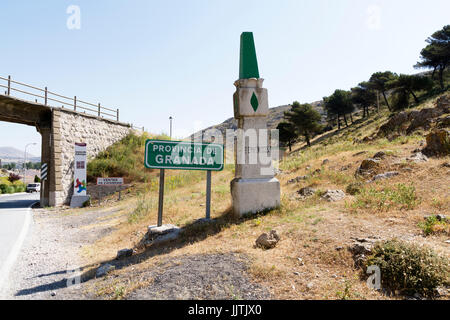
(304, 119)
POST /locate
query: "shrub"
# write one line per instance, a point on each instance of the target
(125, 159)
(432, 225)
(13, 177)
(408, 268)
(19, 188)
(4, 187)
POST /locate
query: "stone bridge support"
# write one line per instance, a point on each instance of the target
(69, 127)
(60, 129)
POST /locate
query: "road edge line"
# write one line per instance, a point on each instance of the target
(15, 250)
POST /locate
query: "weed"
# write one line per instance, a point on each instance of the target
(408, 268)
(432, 225)
(400, 196)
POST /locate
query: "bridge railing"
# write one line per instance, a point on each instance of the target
(48, 97)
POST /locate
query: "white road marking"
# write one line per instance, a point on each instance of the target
(15, 250)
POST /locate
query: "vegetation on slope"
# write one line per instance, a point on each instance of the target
(123, 159)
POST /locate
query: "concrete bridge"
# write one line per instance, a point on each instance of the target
(60, 128)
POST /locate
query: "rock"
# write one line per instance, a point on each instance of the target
(443, 122)
(380, 155)
(339, 248)
(442, 291)
(268, 241)
(124, 253)
(385, 175)
(297, 273)
(441, 217)
(324, 162)
(308, 167)
(159, 231)
(297, 179)
(104, 270)
(173, 235)
(360, 248)
(333, 195)
(445, 165)
(310, 285)
(354, 188)
(369, 164)
(53, 294)
(300, 261)
(306, 192)
(438, 143)
(417, 296)
(406, 122)
(418, 157)
(346, 167)
(447, 241)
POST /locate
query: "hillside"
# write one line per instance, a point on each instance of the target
(390, 195)
(274, 117)
(10, 154)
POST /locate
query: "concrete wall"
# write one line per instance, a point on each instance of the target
(69, 127)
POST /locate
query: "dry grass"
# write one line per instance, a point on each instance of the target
(312, 230)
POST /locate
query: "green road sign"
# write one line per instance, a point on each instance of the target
(181, 155)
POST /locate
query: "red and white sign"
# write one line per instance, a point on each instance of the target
(109, 181)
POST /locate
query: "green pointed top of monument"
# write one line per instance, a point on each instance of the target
(248, 65)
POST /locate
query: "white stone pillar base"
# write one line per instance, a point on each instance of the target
(251, 196)
(77, 201)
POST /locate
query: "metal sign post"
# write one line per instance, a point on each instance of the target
(208, 194)
(182, 155)
(161, 196)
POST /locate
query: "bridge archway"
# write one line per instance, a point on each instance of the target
(60, 129)
(38, 116)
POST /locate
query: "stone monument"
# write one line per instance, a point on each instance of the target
(254, 188)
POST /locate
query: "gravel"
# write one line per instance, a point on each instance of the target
(49, 260)
(204, 277)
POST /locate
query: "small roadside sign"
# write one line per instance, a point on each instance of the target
(109, 181)
(181, 155)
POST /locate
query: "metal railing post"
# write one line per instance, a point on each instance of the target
(108, 113)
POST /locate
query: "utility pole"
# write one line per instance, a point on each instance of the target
(25, 160)
(170, 119)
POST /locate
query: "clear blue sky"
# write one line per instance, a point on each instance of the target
(155, 59)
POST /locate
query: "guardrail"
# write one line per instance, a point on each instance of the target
(137, 128)
(49, 96)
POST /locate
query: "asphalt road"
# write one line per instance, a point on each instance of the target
(15, 218)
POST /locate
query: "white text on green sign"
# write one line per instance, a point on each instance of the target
(162, 154)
